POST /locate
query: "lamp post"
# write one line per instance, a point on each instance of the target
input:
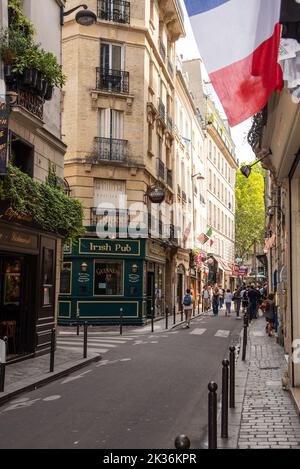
(84, 17)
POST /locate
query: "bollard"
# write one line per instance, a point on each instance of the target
(182, 442)
(152, 319)
(2, 376)
(167, 317)
(174, 314)
(194, 309)
(85, 340)
(77, 319)
(52, 350)
(121, 321)
(181, 312)
(3, 346)
(232, 377)
(244, 343)
(224, 419)
(212, 415)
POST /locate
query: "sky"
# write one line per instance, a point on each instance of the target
(187, 47)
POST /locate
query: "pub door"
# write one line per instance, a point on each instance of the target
(17, 296)
(150, 294)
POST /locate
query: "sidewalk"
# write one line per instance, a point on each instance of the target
(34, 372)
(265, 415)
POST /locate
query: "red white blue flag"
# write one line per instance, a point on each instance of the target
(239, 43)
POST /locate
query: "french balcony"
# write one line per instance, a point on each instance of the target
(110, 149)
(162, 110)
(113, 81)
(161, 169)
(117, 11)
(169, 178)
(162, 50)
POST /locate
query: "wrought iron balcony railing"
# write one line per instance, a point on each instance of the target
(117, 11)
(162, 110)
(162, 50)
(169, 178)
(27, 99)
(161, 169)
(110, 149)
(115, 81)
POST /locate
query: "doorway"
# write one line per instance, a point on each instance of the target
(150, 294)
(17, 319)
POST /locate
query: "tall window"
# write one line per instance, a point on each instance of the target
(48, 277)
(111, 123)
(111, 56)
(66, 278)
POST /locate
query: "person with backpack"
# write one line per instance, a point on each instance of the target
(228, 300)
(188, 301)
(215, 301)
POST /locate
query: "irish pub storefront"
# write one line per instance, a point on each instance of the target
(104, 278)
(27, 288)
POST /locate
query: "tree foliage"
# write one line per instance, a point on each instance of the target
(250, 210)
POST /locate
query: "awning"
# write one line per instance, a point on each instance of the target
(222, 264)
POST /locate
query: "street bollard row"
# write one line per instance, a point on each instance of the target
(228, 382)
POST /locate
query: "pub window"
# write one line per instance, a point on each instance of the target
(48, 280)
(66, 278)
(108, 278)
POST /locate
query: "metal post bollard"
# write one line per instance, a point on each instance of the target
(224, 420)
(182, 442)
(167, 317)
(52, 350)
(77, 319)
(212, 415)
(181, 312)
(232, 377)
(85, 340)
(152, 319)
(174, 314)
(3, 345)
(244, 343)
(121, 321)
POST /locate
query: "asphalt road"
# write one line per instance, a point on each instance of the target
(143, 394)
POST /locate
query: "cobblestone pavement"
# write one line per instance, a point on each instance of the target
(269, 418)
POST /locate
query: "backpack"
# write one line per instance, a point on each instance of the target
(187, 300)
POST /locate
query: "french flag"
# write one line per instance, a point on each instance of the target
(239, 44)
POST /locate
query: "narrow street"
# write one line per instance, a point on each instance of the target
(143, 394)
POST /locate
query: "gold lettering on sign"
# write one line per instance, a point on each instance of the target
(20, 239)
(10, 213)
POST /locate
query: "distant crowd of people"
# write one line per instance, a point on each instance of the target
(248, 298)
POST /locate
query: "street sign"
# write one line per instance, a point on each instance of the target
(2, 351)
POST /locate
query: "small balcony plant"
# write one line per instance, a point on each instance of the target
(25, 62)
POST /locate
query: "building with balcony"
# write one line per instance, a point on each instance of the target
(220, 169)
(118, 125)
(30, 253)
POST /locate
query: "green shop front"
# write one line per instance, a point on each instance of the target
(103, 278)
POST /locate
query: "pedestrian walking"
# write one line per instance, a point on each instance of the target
(228, 300)
(215, 301)
(237, 301)
(221, 296)
(253, 296)
(206, 299)
(245, 301)
(188, 301)
(269, 312)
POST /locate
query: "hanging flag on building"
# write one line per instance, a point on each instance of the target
(211, 242)
(203, 238)
(209, 232)
(239, 43)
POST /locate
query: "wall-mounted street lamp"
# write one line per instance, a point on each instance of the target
(84, 17)
(198, 175)
(246, 169)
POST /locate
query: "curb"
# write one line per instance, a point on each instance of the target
(48, 379)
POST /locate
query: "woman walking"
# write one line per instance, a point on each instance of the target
(228, 300)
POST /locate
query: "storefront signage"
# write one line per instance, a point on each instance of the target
(156, 194)
(103, 247)
(134, 278)
(20, 238)
(4, 112)
(83, 277)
